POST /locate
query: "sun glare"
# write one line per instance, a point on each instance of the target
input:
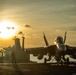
(7, 29)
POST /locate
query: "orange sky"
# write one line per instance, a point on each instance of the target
(53, 17)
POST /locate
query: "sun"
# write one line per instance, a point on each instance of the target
(7, 29)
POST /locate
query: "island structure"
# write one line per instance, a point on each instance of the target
(16, 53)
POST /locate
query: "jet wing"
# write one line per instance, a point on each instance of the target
(50, 49)
(71, 51)
(42, 50)
(34, 51)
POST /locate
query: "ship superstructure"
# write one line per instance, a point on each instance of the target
(16, 52)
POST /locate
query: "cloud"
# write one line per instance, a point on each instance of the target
(27, 26)
(21, 33)
(10, 27)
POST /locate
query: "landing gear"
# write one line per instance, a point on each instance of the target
(60, 62)
(67, 60)
(45, 59)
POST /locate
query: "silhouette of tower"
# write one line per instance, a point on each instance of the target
(17, 43)
(23, 42)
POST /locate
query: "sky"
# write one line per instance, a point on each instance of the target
(53, 17)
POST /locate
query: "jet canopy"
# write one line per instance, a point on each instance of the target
(59, 40)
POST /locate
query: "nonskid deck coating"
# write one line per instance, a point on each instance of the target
(38, 69)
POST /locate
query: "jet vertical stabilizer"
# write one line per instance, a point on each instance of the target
(46, 42)
(65, 37)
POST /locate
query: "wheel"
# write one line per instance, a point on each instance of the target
(45, 60)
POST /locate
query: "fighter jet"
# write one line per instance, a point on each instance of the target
(58, 50)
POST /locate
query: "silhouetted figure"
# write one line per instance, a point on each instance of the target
(18, 70)
(13, 58)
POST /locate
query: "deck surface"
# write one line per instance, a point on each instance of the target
(37, 69)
